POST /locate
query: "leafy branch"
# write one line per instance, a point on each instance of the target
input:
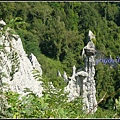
(103, 98)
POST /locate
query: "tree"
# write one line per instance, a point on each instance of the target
(105, 84)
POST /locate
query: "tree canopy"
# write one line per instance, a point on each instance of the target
(56, 33)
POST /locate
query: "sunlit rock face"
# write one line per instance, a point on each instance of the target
(74, 85)
(35, 64)
(82, 82)
(89, 89)
(17, 67)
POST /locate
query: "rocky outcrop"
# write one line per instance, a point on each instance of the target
(89, 89)
(73, 87)
(16, 71)
(65, 77)
(82, 82)
(35, 64)
(2, 24)
(17, 67)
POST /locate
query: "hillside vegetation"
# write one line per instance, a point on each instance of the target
(56, 32)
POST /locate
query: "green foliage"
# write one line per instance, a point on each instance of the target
(56, 32)
(103, 113)
(105, 83)
(36, 74)
(94, 41)
(53, 104)
(15, 63)
(50, 66)
(117, 101)
(13, 24)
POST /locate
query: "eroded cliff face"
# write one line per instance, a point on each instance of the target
(89, 86)
(17, 67)
(16, 71)
(82, 82)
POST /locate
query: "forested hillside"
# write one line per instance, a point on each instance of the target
(56, 33)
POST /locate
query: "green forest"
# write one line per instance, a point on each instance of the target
(56, 32)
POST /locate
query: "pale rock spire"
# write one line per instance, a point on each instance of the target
(23, 77)
(65, 77)
(82, 82)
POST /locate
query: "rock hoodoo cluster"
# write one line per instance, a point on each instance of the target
(82, 82)
(16, 70)
(17, 66)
